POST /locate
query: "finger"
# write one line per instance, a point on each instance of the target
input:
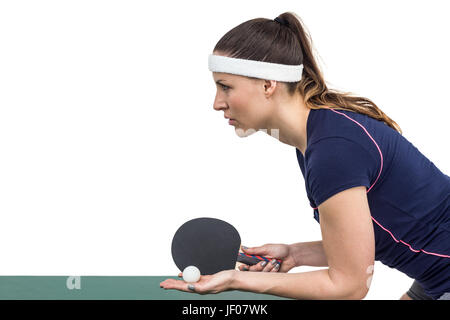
(244, 267)
(191, 287)
(180, 274)
(164, 283)
(175, 284)
(262, 250)
(276, 268)
(197, 288)
(269, 266)
(259, 266)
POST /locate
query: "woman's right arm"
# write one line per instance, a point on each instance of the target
(308, 254)
(293, 255)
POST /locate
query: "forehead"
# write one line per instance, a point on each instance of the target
(228, 77)
(222, 76)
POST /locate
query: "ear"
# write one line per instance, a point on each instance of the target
(269, 87)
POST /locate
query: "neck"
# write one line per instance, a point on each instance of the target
(290, 119)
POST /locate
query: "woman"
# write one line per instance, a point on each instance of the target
(375, 195)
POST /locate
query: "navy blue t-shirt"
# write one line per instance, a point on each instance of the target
(408, 195)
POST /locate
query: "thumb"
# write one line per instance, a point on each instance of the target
(260, 251)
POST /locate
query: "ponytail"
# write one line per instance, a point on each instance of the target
(288, 43)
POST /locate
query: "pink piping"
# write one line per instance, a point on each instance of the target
(381, 168)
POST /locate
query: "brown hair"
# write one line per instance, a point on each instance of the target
(267, 40)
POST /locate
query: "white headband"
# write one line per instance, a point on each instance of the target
(255, 69)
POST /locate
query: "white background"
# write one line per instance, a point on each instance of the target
(109, 142)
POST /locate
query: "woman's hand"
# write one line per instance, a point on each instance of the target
(218, 282)
(273, 252)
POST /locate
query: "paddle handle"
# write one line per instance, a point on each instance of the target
(250, 259)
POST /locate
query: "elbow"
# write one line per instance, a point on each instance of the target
(352, 293)
(351, 287)
(353, 290)
(359, 293)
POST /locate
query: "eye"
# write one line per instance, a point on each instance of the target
(224, 87)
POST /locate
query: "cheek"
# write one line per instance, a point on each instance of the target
(247, 109)
(243, 104)
(238, 105)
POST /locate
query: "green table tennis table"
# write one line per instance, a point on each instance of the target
(107, 288)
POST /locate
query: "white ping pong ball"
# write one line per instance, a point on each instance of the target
(191, 274)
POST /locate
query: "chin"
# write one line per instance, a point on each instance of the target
(243, 133)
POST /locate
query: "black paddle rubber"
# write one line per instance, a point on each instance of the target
(210, 244)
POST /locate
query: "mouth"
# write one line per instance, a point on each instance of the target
(230, 120)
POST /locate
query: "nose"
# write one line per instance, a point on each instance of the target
(219, 104)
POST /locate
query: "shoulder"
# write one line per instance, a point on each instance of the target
(335, 164)
(338, 149)
(347, 128)
(328, 122)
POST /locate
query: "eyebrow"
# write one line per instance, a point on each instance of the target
(218, 81)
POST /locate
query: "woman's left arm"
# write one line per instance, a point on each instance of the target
(349, 244)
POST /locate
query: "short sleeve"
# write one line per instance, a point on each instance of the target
(335, 164)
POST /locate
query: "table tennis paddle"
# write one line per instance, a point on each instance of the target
(210, 244)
